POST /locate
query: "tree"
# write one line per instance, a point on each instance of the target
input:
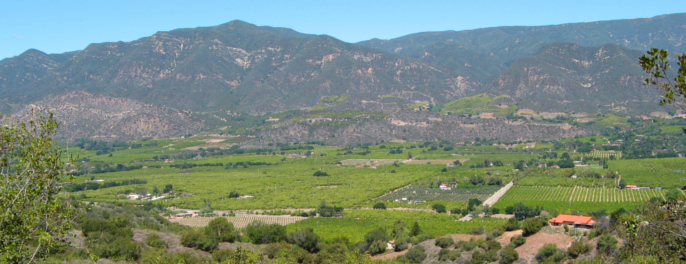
(439, 208)
(32, 218)
(221, 229)
(416, 254)
(416, 230)
(409, 155)
(607, 244)
(532, 226)
(656, 64)
(549, 253)
(305, 238)
(622, 184)
(168, 188)
(380, 206)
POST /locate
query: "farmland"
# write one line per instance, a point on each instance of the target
(238, 221)
(430, 194)
(356, 223)
(576, 198)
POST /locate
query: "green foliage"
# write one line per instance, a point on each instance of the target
(578, 248)
(511, 225)
(656, 64)
(518, 241)
(444, 242)
(509, 255)
(155, 241)
(416, 254)
(380, 206)
(532, 226)
(448, 255)
(549, 253)
(477, 104)
(607, 244)
(262, 233)
(199, 240)
(32, 218)
(439, 208)
(221, 229)
(305, 238)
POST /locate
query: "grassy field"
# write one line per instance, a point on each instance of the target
(356, 223)
(665, 172)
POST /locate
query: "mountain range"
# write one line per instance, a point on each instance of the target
(239, 67)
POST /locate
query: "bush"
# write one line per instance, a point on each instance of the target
(578, 248)
(508, 255)
(439, 208)
(607, 244)
(199, 240)
(549, 253)
(416, 254)
(380, 206)
(262, 233)
(400, 244)
(448, 255)
(518, 241)
(532, 226)
(222, 229)
(305, 238)
(378, 234)
(155, 241)
(511, 225)
(445, 242)
(320, 173)
(377, 247)
(332, 253)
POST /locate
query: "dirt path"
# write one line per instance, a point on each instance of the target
(505, 238)
(498, 194)
(391, 255)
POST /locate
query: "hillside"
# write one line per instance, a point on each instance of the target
(238, 66)
(565, 77)
(504, 45)
(87, 115)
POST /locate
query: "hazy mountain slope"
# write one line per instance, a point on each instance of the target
(241, 66)
(507, 44)
(83, 114)
(567, 77)
(24, 69)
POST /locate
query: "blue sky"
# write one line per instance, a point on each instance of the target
(60, 26)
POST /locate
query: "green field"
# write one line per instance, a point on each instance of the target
(664, 172)
(356, 223)
(576, 198)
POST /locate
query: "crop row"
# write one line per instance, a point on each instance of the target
(579, 194)
(239, 221)
(604, 154)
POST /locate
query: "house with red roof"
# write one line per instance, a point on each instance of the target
(573, 220)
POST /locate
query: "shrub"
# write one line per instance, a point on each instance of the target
(532, 226)
(518, 241)
(549, 253)
(332, 253)
(578, 248)
(380, 206)
(305, 238)
(445, 242)
(508, 255)
(262, 233)
(607, 244)
(448, 255)
(439, 208)
(222, 229)
(320, 173)
(377, 247)
(400, 244)
(416, 254)
(155, 241)
(511, 225)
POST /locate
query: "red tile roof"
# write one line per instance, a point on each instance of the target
(561, 219)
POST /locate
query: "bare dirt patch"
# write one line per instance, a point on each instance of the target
(326, 186)
(505, 238)
(547, 236)
(173, 241)
(389, 256)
